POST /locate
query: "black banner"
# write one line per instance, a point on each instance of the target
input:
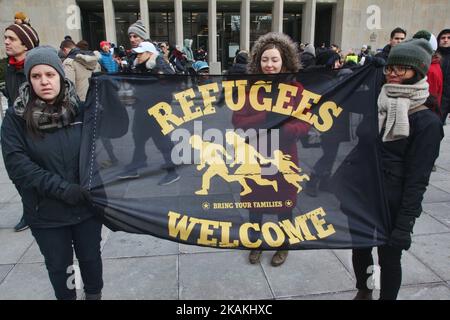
(287, 161)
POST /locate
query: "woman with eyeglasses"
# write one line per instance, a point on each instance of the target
(411, 135)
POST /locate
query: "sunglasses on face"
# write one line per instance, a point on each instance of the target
(398, 70)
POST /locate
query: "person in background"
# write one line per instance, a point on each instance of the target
(83, 45)
(308, 57)
(434, 76)
(398, 35)
(187, 51)
(137, 33)
(444, 52)
(148, 61)
(105, 58)
(201, 68)
(78, 67)
(165, 54)
(19, 39)
(240, 63)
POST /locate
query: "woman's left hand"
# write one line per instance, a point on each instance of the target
(400, 239)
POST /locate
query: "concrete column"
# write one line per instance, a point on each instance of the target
(245, 25)
(178, 4)
(143, 6)
(337, 22)
(214, 66)
(309, 21)
(277, 16)
(110, 21)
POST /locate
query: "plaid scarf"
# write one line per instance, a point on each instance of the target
(49, 117)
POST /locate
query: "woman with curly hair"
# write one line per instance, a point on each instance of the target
(272, 54)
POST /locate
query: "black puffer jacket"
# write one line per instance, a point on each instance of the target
(238, 68)
(42, 169)
(14, 79)
(407, 166)
(308, 60)
(385, 53)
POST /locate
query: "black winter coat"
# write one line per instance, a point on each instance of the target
(238, 68)
(407, 166)
(41, 169)
(445, 64)
(14, 79)
(308, 60)
(385, 53)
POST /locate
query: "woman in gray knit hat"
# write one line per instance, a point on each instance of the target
(410, 136)
(41, 138)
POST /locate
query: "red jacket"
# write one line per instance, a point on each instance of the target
(436, 80)
(290, 131)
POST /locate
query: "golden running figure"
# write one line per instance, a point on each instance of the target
(248, 157)
(285, 167)
(211, 154)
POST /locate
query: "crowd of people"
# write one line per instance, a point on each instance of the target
(41, 133)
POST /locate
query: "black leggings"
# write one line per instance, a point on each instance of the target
(56, 247)
(391, 270)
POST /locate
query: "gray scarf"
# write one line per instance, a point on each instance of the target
(47, 116)
(395, 103)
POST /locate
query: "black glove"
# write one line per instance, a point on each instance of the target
(405, 222)
(75, 194)
(400, 239)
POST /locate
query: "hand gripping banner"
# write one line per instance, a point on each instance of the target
(288, 161)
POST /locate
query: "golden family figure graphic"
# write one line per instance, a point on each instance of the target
(249, 161)
(286, 166)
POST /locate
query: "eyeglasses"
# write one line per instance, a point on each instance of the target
(398, 70)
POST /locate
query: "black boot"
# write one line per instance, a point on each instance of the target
(312, 186)
(93, 296)
(363, 295)
(325, 184)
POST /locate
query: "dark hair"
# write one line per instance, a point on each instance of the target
(83, 45)
(30, 124)
(67, 44)
(397, 30)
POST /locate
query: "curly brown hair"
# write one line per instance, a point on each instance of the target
(273, 40)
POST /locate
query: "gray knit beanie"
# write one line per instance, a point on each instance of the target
(139, 29)
(43, 55)
(415, 53)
